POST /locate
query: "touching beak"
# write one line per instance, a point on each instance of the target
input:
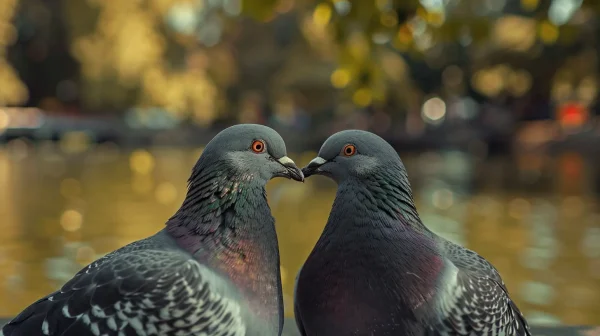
(313, 166)
(291, 170)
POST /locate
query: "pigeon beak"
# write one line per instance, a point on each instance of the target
(313, 166)
(291, 170)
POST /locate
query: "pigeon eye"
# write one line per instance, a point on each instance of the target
(349, 150)
(258, 146)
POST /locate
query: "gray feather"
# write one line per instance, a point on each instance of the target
(378, 270)
(475, 301)
(192, 278)
(150, 287)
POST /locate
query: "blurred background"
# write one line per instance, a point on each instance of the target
(492, 104)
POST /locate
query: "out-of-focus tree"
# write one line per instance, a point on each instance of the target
(185, 55)
(12, 90)
(125, 54)
(353, 35)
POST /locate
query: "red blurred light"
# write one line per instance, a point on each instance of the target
(572, 114)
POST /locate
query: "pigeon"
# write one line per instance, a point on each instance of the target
(213, 270)
(378, 270)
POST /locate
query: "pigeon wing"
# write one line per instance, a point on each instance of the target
(478, 306)
(470, 261)
(141, 292)
(477, 301)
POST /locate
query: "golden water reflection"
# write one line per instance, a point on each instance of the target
(535, 218)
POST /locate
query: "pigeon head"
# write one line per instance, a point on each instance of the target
(369, 174)
(231, 174)
(255, 151)
(354, 154)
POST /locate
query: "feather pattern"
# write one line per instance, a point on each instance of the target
(226, 223)
(387, 249)
(213, 271)
(475, 302)
(146, 288)
(378, 270)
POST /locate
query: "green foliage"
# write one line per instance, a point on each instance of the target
(259, 9)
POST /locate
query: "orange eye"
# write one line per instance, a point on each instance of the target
(349, 150)
(258, 146)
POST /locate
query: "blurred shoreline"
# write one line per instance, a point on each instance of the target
(480, 141)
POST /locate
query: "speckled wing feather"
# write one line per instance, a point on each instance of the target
(477, 301)
(134, 291)
(470, 261)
